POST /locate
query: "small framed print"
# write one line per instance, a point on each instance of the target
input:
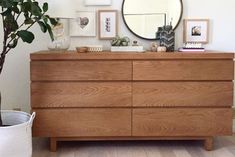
(196, 30)
(97, 2)
(84, 24)
(108, 22)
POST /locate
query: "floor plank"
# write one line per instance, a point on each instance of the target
(223, 147)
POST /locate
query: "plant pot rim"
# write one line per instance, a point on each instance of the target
(28, 122)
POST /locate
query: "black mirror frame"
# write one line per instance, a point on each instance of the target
(181, 14)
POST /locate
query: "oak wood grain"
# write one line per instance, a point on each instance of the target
(83, 70)
(107, 55)
(183, 70)
(82, 122)
(131, 96)
(182, 122)
(81, 94)
(179, 94)
(208, 143)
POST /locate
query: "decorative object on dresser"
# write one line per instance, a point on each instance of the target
(108, 24)
(90, 48)
(95, 48)
(58, 9)
(82, 49)
(192, 47)
(84, 24)
(132, 96)
(161, 49)
(121, 44)
(196, 30)
(166, 35)
(154, 46)
(127, 49)
(120, 41)
(97, 2)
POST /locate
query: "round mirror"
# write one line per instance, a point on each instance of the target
(143, 17)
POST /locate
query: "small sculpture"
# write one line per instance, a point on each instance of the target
(161, 49)
(154, 46)
(135, 43)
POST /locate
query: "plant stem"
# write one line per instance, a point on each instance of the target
(2, 59)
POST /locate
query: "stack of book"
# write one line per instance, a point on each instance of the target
(182, 49)
(192, 47)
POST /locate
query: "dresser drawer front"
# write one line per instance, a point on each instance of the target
(182, 122)
(80, 70)
(80, 94)
(180, 94)
(82, 123)
(183, 70)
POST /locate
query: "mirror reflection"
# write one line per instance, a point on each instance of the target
(143, 17)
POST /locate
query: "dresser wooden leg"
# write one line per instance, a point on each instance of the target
(208, 143)
(53, 144)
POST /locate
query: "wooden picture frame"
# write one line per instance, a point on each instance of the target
(84, 25)
(196, 30)
(108, 24)
(97, 2)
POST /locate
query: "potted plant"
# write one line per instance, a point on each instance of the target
(18, 16)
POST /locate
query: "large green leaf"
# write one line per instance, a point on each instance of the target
(42, 26)
(7, 12)
(35, 9)
(16, 9)
(10, 23)
(26, 7)
(45, 7)
(26, 36)
(50, 32)
(53, 21)
(6, 3)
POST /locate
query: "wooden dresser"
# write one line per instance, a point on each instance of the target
(132, 96)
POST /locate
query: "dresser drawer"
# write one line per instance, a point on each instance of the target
(180, 94)
(80, 70)
(82, 122)
(81, 94)
(182, 122)
(183, 70)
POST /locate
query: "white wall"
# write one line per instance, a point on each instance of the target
(14, 81)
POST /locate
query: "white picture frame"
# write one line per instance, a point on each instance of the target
(84, 24)
(196, 30)
(108, 22)
(97, 2)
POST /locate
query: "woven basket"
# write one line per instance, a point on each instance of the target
(16, 137)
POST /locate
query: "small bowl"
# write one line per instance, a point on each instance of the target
(82, 49)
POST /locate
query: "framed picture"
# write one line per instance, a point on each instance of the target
(196, 30)
(108, 22)
(97, 2)
(84, 24)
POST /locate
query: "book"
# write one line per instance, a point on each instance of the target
(191, 49)
(127, 49)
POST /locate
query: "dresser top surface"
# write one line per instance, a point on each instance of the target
(72, 55)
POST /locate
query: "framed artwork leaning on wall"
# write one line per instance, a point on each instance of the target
(84, 24)
(196, 30)
(108, 22)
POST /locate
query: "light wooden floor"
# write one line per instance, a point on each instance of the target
(224, 147)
